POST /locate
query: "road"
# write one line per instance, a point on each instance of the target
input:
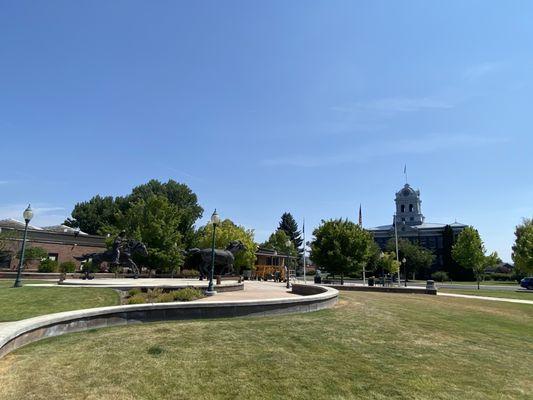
(439, 285)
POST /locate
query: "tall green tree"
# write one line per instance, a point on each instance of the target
(290, 227)
(469, 252)
(178, 195)
(387, 262)
(226, 232)
(154, 220)
(102, 215)
(418, 259)
(280, 242)
(93, 215)
(341, 247)
(523, 247)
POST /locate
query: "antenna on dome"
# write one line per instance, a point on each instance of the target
(405, 172)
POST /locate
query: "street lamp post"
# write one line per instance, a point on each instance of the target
(381, 255)
(215, 220)
(28, 215)
(405, 270)
(288, 244)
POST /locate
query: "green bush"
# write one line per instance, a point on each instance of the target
(310, 272)
(134, 291)
(67, 266)
(137, 299)
(165, 298)
(440, 276)
(189, 273)
(188, 294)
(48, 265)
(152, 295)
(498, 276)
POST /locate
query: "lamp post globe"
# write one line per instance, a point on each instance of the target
(215, 220)
(27, 215)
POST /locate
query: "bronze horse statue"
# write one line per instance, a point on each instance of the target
(224, 259)
(128, 249)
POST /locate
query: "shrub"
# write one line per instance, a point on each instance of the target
(189, 273)
(152, 295)
(137, 299)
(188, 294)
(134, 291)
(310, 272)
(165, 297)
(48, 265)
(440, 276)
(67, 266)
(497, 276)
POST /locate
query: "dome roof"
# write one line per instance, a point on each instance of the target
(407, 190)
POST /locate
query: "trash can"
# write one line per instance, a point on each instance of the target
(371, 281)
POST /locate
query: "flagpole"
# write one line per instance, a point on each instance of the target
(361, 225)
(305, 245)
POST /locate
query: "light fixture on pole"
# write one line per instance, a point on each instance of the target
(28, 215)
(215, 221)
(288, 244)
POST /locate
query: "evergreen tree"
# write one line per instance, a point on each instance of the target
(290, 227)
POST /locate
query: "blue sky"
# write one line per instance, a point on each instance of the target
(267, 106)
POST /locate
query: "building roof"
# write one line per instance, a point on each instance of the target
(63, 228)
(16, 224)
(425, 225)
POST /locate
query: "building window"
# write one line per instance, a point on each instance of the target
(403, 219)
(402, 208)
(410, 208)
(412, 219)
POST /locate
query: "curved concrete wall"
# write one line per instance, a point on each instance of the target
(18, 333)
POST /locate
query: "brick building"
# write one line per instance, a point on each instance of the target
(61, 242)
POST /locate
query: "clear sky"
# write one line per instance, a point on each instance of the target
(265, 106)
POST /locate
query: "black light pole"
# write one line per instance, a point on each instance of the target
(287, 263)
(28, 215)
(215, 220)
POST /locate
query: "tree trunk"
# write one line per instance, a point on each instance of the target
(342, 279)
(477, 283)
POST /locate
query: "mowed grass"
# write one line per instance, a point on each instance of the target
(30, 301)
(505, 294)
(371, 346)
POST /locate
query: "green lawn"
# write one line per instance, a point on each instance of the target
(28, 301)
(492, 293)
(372, 346)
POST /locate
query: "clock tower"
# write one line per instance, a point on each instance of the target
(408, 210)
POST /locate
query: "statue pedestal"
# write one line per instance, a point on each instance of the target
(210, 292)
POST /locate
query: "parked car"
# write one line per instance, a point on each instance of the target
(527, 283)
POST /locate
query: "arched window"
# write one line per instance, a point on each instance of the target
(402, 208)
(410, 208)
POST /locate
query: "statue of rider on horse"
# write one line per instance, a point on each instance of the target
(121, 254)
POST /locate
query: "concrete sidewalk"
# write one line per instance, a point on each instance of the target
(466, 296)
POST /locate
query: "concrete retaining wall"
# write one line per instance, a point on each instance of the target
(16, 334)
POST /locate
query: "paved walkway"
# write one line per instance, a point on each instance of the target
(254, 290)
(466, 296)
